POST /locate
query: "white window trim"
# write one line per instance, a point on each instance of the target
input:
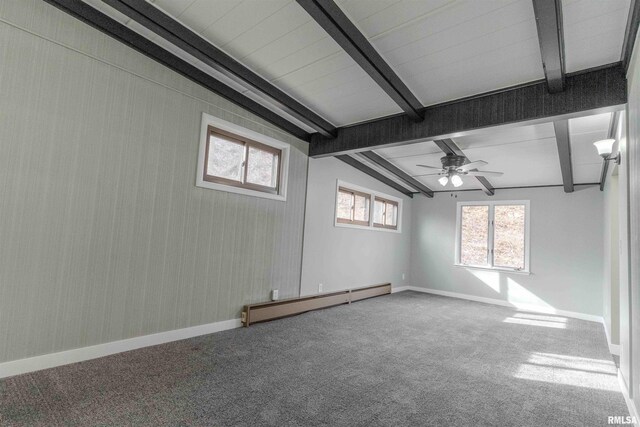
(492, 205)
(209, 120)
(373, 194)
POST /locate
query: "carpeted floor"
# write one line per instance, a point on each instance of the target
(407, 359)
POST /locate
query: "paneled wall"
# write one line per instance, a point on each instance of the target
(103, 234)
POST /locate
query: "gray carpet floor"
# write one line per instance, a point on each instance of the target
(406, 359)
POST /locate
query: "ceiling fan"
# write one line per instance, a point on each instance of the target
(454, 167)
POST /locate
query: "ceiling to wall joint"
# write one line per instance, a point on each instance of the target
(113, 28)
(173, 31)
(397, 172)
(374, 174)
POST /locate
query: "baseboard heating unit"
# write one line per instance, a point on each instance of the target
(262, 312)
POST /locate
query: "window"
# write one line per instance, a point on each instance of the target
(238, 160)
(493, 235)
(354, 209)
(234, 160)
(385, 213)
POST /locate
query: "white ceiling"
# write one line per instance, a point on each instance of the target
(593, 32)
(527, 155)
(442, 49)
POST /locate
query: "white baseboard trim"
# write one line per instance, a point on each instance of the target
(633, 411)
(532, 308)
(400, 289)
(613, 348)
(37, 363)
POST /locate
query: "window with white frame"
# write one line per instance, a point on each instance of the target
(493, 235)
(385, 213)
(354, 208)
(238, 160)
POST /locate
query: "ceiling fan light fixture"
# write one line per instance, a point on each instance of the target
(443, 180)
(456, 180)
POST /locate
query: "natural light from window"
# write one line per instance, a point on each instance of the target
(493, 235)
(598, 374)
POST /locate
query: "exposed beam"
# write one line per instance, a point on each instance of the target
(373, 173)
(448, 146)
(402, 175)
(333, 20)
(154, 19)
(589, 92)
(109, 26)
(633, 21)
(550, 35)
(589, 184)
(613, 129)
(564, 152)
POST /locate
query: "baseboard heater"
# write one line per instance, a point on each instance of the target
(254, 313)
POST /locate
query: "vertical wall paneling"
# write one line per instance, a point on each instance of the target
(103, 233)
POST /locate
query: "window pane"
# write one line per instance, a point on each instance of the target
(391, 218)
(509, 235)
(474, 235)
(344, 205)
(361, 208)
(378, 211)
(225, 158)
(262, 167)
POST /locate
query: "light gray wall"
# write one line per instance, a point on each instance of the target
(103, 234)
(623, 235)
(342, 258)
(566, 250)
(611, 276)
(633, 153)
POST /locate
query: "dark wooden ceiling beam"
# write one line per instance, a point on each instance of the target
(550, 35)
(599, 90)
(111, 27)
(448, 146)
(374, 174)
(633, 21)
(154, 19)
(613, 129)
(396, 171)
(563, 142)
(333, 20)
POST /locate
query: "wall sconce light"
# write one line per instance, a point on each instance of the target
(605, 147)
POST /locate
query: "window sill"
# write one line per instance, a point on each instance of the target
(365, 227)
(240, 190)
(498, 269)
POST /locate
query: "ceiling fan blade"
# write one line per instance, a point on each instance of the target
(473, 165)
(484, 173)
(429, 167)
(429, 174)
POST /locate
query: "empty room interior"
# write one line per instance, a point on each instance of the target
(319, 212)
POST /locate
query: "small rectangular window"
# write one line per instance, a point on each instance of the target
(353, 207)
(385, 213)
(493, 235)
(241, 162)
(363, 208)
